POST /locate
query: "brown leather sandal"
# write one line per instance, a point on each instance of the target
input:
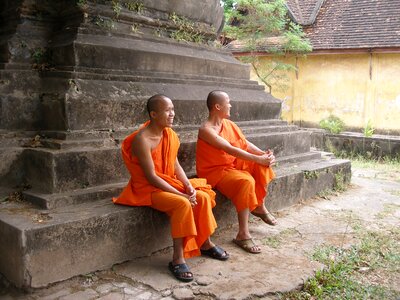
(247, 245)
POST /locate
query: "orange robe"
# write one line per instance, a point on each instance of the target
(243, 182)
(194, 225)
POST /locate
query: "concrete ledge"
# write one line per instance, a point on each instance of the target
(356, 143)
(301, 181)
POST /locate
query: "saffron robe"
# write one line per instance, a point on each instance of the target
(244, 182)
(199, 222)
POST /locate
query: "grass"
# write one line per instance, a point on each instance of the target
(351, 273)
(388, 209)
(385, 168)
(277, 240)
(381, 164)
(340, 183)
(395, 192)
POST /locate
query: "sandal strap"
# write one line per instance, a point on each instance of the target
(249, 243)
(181, 268)
(218, 251)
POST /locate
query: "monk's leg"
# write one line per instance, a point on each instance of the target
(244, 233)
(177, 256)
(239, 187)
(183, 227)
(262, 176)
(204, 219)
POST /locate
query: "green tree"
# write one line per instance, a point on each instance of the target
(264, 26)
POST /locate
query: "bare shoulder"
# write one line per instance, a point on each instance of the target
(206, 130)
(140, 142)
(139, 138)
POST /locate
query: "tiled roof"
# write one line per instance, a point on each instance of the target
(351, 24)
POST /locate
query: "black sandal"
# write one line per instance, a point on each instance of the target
(216, 252)
(178, 270)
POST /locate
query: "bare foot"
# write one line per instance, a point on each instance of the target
(207, 245)
(253, 248)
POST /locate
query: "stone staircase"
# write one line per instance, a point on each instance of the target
(63, 142)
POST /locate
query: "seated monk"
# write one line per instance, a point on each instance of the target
(234, 166)
(158, 180)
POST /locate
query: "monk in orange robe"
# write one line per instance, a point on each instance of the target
(234, 166)
(158, 180)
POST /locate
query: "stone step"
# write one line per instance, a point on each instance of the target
(153, 74)
(118, 53)
(81, 164)
(113, 105)
(86, 237)
(73, 144)
(75, 197)
(121, 133)
(55, 171)
(268, 122)
(269, 129)
(282, 143)
(92, 194)
(157, 77)
(109, 139)
(160, 80)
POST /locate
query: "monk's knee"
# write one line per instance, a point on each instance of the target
(203, 199)
(182, 204)
(248, 183)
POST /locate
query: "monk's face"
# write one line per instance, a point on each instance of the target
(164, 115)
(224, 105)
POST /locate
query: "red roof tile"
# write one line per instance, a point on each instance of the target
(351, 24)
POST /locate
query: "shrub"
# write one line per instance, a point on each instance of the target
(333, 124)
(368, 129)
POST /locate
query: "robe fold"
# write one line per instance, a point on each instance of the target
(244, 182)
(139, 192)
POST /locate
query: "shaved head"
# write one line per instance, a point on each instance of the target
(153, 102)
(215, 97)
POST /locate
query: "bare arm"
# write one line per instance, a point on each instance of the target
(254, 149)
(181, 175)
(142, 150)
(210, 136)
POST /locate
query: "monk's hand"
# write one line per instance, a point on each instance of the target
(270, 157)
(264, 160)
(191, 192)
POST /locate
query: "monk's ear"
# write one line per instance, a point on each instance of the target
(153, 114)
(217, 106)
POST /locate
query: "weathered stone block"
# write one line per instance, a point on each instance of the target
(52, 171)
(301, 181)
(282, 143)
(356, 143)
(76, 240)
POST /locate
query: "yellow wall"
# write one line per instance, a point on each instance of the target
(354, 87)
